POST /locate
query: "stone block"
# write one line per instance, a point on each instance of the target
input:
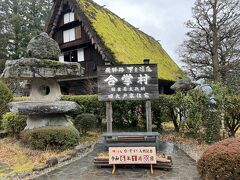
(40, 168)
(44, 108)
(28, 68)
(66, 158)
(52, 161)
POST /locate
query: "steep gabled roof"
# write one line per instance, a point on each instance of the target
(119, 41)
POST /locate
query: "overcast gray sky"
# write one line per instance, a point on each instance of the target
(162, 19)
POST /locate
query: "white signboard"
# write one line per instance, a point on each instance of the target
(132, 155)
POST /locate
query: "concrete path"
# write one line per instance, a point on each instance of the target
(183, 169)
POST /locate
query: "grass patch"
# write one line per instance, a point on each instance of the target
(21, 159)
(89, 137)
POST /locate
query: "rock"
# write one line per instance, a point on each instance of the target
(40, 168)
(14, 176)
(83, 147)
(52, 161)
(23, 175)
(43, 47)
(28, 68)
(184, 84)
(73, 154)
(80, 148)
(44, 108)
(66, 158)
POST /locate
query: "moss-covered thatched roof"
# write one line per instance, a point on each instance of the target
(117, 40)
(128, 44)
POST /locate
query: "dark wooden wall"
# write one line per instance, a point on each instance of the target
(91, 56)
(92, 60)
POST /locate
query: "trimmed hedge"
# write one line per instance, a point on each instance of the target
(52, 137)
(221, 161)
(14, 123)
(88, 104)
(125, 113)
(85, 122)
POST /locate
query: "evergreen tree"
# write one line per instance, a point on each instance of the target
(20, 21)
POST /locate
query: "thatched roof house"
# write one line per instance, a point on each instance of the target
(93, 35)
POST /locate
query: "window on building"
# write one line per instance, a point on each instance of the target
(69, 35)
(68, 17)
(80, 55)
(72, 56)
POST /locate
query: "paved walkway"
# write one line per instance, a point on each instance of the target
(83, 169)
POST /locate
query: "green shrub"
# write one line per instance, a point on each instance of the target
(14, 123)
(228, 103)
(232, 114)
(88, 104)
(221, 161)
(213, 126)
(196, 105)
(168, 108)
(85, 122)
(5, 98)
(52, 137)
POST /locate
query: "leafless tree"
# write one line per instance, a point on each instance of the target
(212, 45)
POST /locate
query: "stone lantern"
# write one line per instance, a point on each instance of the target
(42, 69)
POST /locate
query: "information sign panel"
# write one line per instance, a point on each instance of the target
(128, 82)
(132, 155)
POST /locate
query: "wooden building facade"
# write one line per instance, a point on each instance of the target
(92, 35)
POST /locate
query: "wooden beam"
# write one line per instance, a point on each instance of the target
(149, 116)
(148, 107)
(109, 116)
(109, 112)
